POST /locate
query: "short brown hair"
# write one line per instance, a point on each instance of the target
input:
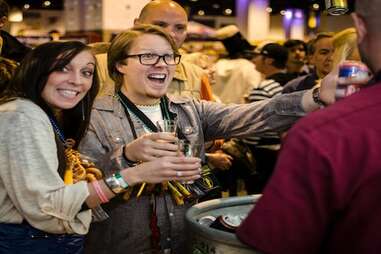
(4, 9)
(122, 43)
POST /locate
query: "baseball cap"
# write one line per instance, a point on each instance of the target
(275, 51)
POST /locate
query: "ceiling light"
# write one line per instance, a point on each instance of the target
(298, 14)
(26, 6)
(288, 14)
(47, 3)
(201, 13)
(193, 0)
(228, 11)
(282, 12)
(15, 15)
(316, 6)
(269, 9)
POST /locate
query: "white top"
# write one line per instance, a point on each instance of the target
(234, 79)
(30, 186)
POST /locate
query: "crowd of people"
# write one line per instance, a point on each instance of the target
(86, 168)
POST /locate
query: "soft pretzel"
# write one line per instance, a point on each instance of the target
(90, 177)
(96, 172)
(77, 169)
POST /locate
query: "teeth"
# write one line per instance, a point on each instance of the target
(157, 75)
(68, 93)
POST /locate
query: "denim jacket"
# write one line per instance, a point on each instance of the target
(127, 229)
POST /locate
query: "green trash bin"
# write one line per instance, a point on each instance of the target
(202, 239)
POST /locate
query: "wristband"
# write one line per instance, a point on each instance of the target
(129, 162)
(121, 181)
(116, 183)
(101, 195)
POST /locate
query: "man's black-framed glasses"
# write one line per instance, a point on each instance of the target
(152, 59)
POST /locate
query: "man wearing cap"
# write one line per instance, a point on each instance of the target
(271, 62)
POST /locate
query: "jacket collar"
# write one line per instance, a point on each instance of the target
(111, 103)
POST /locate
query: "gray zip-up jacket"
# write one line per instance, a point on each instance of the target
(127, 229)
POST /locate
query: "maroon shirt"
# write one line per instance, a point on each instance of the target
(325, 194)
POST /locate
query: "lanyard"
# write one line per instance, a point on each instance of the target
(129, 106)
(57, 130)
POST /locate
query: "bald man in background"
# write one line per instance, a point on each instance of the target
(171, 16)
(189, 79)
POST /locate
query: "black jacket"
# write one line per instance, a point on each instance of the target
(12, 48)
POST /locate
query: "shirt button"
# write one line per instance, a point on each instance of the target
(171, 214)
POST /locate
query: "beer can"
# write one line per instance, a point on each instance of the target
(352, 75)
(228, 222)
(336, 7)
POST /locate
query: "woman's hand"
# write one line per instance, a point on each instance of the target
(163, 169)
(151, 146)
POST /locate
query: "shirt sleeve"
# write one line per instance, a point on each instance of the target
(243, 120)
(266, 90)
(292, 216)
(31, 179)
(96, 145)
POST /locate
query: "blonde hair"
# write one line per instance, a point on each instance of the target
(122, 43)
(99, 47)
(345, 44)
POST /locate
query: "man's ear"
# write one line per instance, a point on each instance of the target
(269, 61)
(360, 27)
(136, 21)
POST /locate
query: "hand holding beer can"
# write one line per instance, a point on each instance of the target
(352, 75)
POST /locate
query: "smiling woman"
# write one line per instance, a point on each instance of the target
(53, 87)
(46, 189)
(68, 85)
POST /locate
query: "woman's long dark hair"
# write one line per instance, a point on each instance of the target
(31, 77)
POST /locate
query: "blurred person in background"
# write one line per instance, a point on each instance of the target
(235, 75)
(10, 48)
(320, 55)
(271, 62)
(324, 196)
(297, 53)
